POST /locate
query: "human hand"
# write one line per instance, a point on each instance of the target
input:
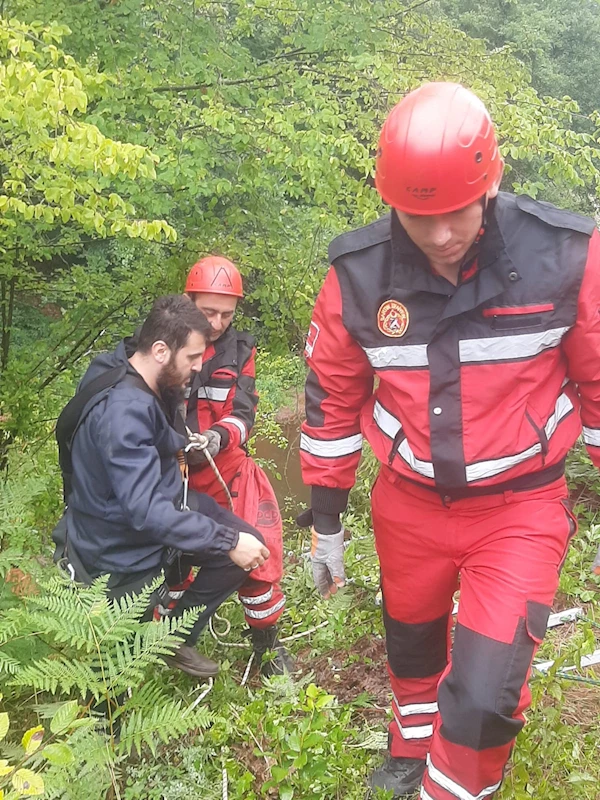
(249, 553)
(202, 443)
(327, 556)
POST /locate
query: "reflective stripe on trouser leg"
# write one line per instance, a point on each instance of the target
(507, 586)
(418, 581)
(263, 603)
(417, 656)
(171, 595)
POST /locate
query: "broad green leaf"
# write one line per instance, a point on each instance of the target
(4, 724)
(27, 783)
(32, 739)
(65, 715)
(58, 753)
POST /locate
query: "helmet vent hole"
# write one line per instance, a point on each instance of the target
(478, 157)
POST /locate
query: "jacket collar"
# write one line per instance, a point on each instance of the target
(411, 270)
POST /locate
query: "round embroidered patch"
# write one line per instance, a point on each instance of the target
(392, 318)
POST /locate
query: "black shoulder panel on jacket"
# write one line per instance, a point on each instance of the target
(556, 217)
(246, 338)
(375, 233)
(245, 345)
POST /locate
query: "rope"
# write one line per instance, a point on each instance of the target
(247, 672)
(219, 477)
(568, 677)
(200, 697)
(199, 442)
(220, 637)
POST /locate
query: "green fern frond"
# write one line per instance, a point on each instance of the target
(51, 674)
(125, 663)
(161, 723)
(8, 559)
(150, 694)
(12, 624)
(9, 664)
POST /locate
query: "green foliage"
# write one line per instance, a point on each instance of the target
(251, 128)
(556, 39)
(100, 649)
(266, 120)
(38, 749)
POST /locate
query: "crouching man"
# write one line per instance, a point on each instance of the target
(126, 513)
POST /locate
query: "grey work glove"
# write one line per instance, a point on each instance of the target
(327, 556)
(200, 443)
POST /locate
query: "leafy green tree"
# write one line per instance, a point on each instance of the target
(265, 120)
(61, 179)
(556, 39)
(266, 117)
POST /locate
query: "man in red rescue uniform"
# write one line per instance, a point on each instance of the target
(479, 314)
(222, 406)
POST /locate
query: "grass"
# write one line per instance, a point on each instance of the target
(319, 737)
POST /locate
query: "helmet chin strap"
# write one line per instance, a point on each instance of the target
(485, 204)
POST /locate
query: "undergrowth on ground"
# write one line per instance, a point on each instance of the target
(315, 738)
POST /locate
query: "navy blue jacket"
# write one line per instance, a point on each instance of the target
(123, 510)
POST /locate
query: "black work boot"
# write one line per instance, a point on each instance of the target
(265, 640)
(189, 660)
(402, 776)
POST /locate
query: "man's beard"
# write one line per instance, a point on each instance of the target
(170, 386)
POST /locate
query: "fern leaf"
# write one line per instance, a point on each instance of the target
(8, 664)
(163, 722)
(50, 674)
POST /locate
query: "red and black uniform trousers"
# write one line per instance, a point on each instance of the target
(255, 502)
(504, 552)
(481, 387)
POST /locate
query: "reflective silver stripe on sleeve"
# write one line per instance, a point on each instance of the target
(591, 436)
(455, 788)
(425, 795)
(507, 348)
(411, 355)
(176, 595)
(249, 612)
(331, 448)
(239, 425)
(213, 393)
(258, 599)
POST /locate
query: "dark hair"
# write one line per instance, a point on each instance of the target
(171, 320)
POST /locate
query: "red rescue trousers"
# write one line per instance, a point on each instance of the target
(462, 713)
(255, 502)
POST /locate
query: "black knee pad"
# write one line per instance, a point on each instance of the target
(416, 650)
(481, 693)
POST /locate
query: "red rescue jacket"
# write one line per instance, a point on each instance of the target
(480, 387)
(223, 394)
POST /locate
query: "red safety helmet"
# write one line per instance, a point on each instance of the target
(437, 151)
(215, 274)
